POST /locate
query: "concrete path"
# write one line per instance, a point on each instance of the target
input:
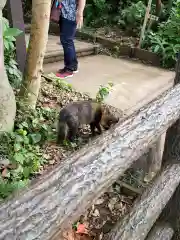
(135, 84)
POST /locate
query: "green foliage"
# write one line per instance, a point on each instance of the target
(132, 17)
(97, 13)
(27, 9)
(103, 12)
(166, 41)
(23, 148)
(103, 92)
(7, 187)
(9, 34)
(37, 121)
(163, 38)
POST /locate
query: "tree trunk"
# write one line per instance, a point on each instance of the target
(154, 158)
(137, 224)
(161, 233)
(36, 51)
(148, 9)
(158, 7)
(60, 196)
(7, 98)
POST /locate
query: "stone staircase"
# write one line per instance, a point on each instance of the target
(54, 51)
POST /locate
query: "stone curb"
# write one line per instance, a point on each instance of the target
(123, 50)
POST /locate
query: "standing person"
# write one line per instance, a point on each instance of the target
(71, 18)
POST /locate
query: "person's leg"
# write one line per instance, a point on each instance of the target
(67, 35)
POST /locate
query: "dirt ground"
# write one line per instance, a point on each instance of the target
(112, 205)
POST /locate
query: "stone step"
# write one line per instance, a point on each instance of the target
(135, 84)
(55, 52)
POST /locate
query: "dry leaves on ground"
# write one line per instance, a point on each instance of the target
(73, 235)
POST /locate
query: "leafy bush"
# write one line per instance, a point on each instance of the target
(97, 12)
(103, 12)
(166, 41)
(9, 34)
(103, 92)
(27, 8)
(132, 17)
(23, 148)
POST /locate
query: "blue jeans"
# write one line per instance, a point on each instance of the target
(67, 35)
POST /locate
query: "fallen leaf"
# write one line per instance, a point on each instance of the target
(81, 228)
(92, 208)
(119, 205)
(96, 213)
(101, 236)
(46, 156)
(111, 203)
(99, 201)
(51, 162)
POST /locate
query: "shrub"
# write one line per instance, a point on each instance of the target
(97, 13)
(132, 18)
(166, 41)
(9, 34)
(22, 148)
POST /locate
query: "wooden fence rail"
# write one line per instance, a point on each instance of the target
(161, 232)
(137, 224)
(59, 197)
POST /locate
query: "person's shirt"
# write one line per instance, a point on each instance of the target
(68, 9)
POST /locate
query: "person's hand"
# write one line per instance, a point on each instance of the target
(79, 20)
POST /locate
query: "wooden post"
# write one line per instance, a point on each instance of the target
(155, 155)
(177, 77)
(145, 23)
(161, 232)
(154, 158)
(146, 210)
(172, 149)
(158, 7)
(15, 13)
